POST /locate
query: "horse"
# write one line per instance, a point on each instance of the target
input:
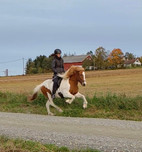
(68, 88)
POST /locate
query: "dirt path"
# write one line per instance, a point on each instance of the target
(102, 134)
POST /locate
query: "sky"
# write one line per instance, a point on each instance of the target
(29, 28)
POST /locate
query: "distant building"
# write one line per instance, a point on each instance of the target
(75, 60)
(133, 62)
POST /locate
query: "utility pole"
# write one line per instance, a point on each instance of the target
(6, 72)
(23, 67)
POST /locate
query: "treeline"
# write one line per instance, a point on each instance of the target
(102, 59)
(41, 64)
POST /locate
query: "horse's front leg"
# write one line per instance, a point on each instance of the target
(69, 95)
(79, 95)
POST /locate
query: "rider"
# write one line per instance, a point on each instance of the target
(57, 67)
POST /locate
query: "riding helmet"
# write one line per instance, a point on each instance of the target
(57, 51)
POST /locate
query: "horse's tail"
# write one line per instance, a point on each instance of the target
(35, 93)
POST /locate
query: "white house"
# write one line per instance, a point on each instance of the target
(133, 62)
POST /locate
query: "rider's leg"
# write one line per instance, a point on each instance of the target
(57, 81)
(55, 86)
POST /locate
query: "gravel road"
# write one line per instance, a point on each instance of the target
(102, 134)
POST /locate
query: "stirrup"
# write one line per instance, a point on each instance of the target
(53, 96)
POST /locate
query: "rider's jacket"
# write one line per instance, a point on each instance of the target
(58, 65)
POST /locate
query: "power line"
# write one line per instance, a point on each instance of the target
(23, 63)
(11, 61)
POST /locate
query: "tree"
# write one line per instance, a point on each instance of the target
(41, 64)
(29, 66)
(65, 55)
(115, 58)
(140, 59)
(100, 58)
(90, 53)
(88, 63)
(49, 62)
(129, 56)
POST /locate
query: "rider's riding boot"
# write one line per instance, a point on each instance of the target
(55, 87)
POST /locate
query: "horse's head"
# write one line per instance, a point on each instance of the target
(79, 74)
(81, 77)
(75, 73)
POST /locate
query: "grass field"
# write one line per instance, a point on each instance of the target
(109, 106)
(114, 94)
(127, 81)
(18, 145)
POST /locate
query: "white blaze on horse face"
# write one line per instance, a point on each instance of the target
(83, 73)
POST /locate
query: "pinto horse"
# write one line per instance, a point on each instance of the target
(68, 88)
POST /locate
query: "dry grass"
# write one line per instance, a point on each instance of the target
(127, 81)
(22, 84)
(114, 94)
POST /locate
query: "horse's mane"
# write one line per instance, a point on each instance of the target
(70, 72)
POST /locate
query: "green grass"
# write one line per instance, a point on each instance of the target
(109, 106)
(18, 145)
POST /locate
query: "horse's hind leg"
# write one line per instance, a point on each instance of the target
(52, 104)
(48, 109)
(46, 93)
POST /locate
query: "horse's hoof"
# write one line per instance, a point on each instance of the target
(50, 114)
(60, 110)
(85, 106)
(68, 101)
